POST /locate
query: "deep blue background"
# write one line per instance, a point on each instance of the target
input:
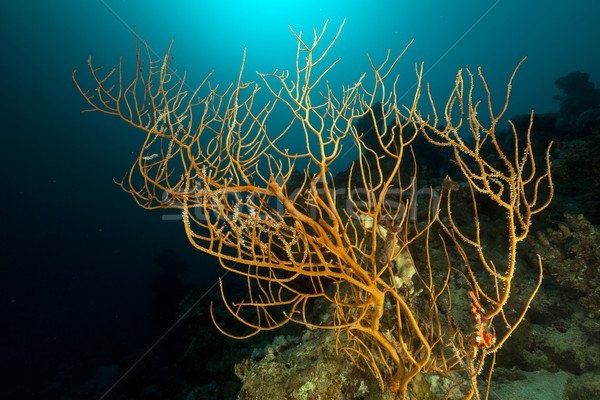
(77, 253)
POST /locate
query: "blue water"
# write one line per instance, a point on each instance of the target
(78, 255)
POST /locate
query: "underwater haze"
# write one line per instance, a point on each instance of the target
(89, 281)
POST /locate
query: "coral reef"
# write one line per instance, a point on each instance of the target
(579, 95)
(310, 371)
(571, 257)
